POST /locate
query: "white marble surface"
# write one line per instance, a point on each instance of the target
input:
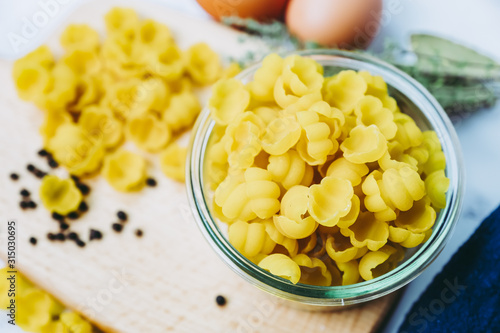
(475, 23)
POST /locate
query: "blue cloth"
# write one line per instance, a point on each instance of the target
(465, 295)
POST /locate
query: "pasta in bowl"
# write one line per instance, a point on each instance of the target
(326, 177)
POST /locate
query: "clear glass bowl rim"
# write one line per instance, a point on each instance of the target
(363, 291)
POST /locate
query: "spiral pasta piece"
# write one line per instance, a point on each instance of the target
(122, 22)
(182, 111)
(250, 239)
(281, 135)
(375, 264)
(344, 90)
(313, 271)
(408, 133)
(282, 266)
(291, 222)
(436, 185)
(350, 272)
(364, 144)
(229, 99)
(241, 141)
(59, 195)
(419, 218)
(289, 170)
(100, 124)
(148, 132)
(231, 196)
(316, 144)
(262, 192)
(343, 169)
(370, 111)
(262, 87)
(367, 231)
(202, 64)
(340, 249)
(125, 171)
(289, 244)
(405, 237)
(173, 162)
(330, 200)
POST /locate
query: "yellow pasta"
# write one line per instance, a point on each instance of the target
(125, 171)
(375, 264)
(148, 132)
(316, 145)
(330, 200)
(313, 271)
(59, 195)
(367, 231)
(262, 192)
(122, 21)
(74, 149)
(166, 61)
(281, 135)
(79, 37)
(292, 223)
(262, 87)
(340, 249)
(364, 144)
(250, 239)
(370, 110)
(229, 99)
(100, 124)
(436, 185)
(282, 266)
(408, 133)
(202, 64)
(344, 90)
(342, 168)
(231, 196)
(289, 169)
(173, 162)
(419, 218)
(241, 141)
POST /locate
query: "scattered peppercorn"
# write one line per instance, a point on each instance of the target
(151, 182)
(95, 234)
(122, 215)
(220, 300)
(39, 174)
(33, 240)
(42, 152)
(30, 167)
(117, 227)
(80, 243)
(84, 189)
(52, 163)
(60, 236)
(57, 216)
(51, 236)
(32, 204)
(83, 207)
(75, 178)
(73, 235)
(63, 226)
(23, 204)
(73, 215)
(25, 193)
(14, 176)
(138, 233)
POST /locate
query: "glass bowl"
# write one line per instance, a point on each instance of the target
(414, 100)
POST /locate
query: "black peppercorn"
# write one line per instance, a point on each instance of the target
(25, 193)
(63, 226)
(122, 215)
(75, 178)
(39, 174)
(220, 300)
(117, 227)
(57, 216)
(53, 164)
(32, 204)
(95, 234)
(23, 204)
(73, 215)
(42, 152)
(33, 240)
(138, 233)
(51, 236)
(151, 182)
(30, 167)
(73, 235)
(14, 176)
(84, 189)
(60, 236)
(80, 243)
(83, 207)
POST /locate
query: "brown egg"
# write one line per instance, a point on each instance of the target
(257, 9)
(336, 23)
